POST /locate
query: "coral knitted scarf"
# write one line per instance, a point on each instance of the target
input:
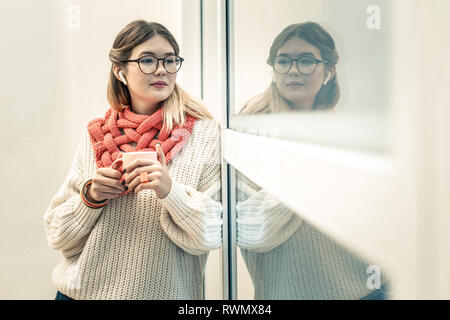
(108, 141)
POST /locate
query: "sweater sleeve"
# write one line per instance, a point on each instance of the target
(68, 221)
(193, 218)
(263, 222)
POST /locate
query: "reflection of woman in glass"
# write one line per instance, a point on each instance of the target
(303, 58)
(143, 231)
(287, 257)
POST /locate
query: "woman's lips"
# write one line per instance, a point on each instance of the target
(159, 84)
(295, 84)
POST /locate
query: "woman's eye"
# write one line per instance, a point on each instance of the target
(307, 61)
(283, 62)
(172, 60)
(148, 60)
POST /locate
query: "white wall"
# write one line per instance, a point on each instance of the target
(30, 164)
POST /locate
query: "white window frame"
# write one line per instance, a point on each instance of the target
(389, 206)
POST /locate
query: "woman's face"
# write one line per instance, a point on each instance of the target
(149, 89)
(294, 86)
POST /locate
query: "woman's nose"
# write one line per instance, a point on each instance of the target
(160, 68)
(294, 70)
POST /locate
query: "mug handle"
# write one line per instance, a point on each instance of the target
(119, 159)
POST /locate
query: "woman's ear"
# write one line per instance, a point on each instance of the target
(122, 77)
(119, 74)
(330, 73)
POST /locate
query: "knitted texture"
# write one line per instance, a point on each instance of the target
(288, 258)
(139, 246)
(108, 140)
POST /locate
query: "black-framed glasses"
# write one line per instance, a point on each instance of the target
(149, 63)
(305, 65)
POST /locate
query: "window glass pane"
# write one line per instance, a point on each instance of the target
(297, 56)
(283, 256)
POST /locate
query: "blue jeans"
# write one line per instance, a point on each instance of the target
(378, 294)
(61, 296)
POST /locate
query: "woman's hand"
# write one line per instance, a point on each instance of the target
(158, 176)
(105, 185)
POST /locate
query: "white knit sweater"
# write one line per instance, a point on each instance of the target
(139, 246)
(287, 257)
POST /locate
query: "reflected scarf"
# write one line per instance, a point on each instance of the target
(108, 141)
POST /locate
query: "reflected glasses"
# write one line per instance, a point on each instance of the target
(149, 64)
(305, 65)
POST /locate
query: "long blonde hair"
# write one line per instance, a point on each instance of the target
(178, 103)
(270, 101)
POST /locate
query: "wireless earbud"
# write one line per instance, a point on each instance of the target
(327, 79)
(122, 77)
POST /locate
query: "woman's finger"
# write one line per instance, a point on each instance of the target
(103, 177)
(109, 173)
(106, 189)
(134, 183)
(100, 194)
(161, 156)
(113, 183)
(153, 180)
(135, 173)
(137, 181)
(154, 176)
(140, 163)
(148, 185)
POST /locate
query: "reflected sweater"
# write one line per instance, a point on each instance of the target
(288, 258)
(139, 246)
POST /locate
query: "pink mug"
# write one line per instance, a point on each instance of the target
(128, 157)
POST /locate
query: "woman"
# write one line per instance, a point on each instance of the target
(143, 231)
(287, 257)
